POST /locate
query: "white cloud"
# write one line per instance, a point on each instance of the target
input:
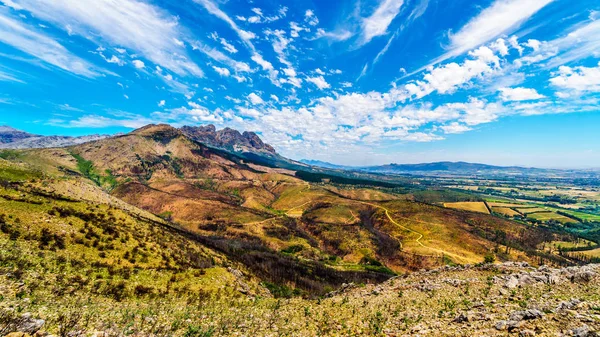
(221, 58)
(162, 103)
(336, 35)
(252, 113)
(43, 47)
(6, 77)
(229, 47)
(378, 23)
(455, 127)
(222, 71)
(240, 79)
(578, 78)
(138, 26)
(501, 18)
(95, 121)
(275, 98)
(113, 59)
(138, 64)
(319, 81)
(297, 29)
(311, 18)
(255, 99)
(582, 42)
(214, 9)
(533, 44)
(266, 66)
(449, 77)
(519, 94)
(384, 49)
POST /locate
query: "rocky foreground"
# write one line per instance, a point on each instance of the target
(510, 299)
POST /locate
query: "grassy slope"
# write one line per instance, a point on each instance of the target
(234, 205)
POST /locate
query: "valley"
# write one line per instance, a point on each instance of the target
(197, 238)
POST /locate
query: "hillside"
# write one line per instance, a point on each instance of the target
(215, 194)
(153, 218)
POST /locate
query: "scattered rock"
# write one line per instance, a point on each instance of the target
(526, 333)
(508, 325)
(526, 315)
(568, 305)
(29, 324)
(583, 276)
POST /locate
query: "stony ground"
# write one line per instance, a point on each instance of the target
(508, 299)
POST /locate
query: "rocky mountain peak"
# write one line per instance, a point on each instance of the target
(228, 138)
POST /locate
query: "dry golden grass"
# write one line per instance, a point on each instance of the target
(529, 210)
(505, 211)
(365, 194)
(504, 204)
(545, 216)
(592, 253)
(468, 206)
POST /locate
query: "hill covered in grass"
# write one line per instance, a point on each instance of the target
(146, 221)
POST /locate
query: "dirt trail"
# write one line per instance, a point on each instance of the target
(420, 236)
(296, 207)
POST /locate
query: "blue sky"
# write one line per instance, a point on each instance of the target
(510, 82)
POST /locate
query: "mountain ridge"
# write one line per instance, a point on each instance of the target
(228, 139)
(11, 138)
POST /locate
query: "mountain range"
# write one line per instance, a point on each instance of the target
(248, 145)
(11, 138)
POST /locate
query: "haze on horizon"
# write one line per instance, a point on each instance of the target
(502, 82)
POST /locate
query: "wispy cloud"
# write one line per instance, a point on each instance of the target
(502, 18)
(30, 41)
(6, 77)
(136, 25)
(378, 23)
(214, 9)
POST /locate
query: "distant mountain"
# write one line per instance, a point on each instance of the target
(11, 138)
(228, 139)
(324, 164)
(10, 135)
(447, 167)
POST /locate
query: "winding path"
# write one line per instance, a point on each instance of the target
(420, 236)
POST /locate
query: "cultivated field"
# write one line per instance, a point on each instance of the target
(505, 211)
(545, 216)
(468, 206)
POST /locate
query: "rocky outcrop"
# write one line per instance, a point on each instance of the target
(228, 139)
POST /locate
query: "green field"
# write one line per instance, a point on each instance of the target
(581, 215)
(545, 216)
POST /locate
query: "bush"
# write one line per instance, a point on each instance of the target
(489, 258)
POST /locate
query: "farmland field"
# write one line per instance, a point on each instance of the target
(545, 216)
(582, 215)
(504, 204)
(468, 206)
(529, 210)
(505, 211)
(577, 244)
